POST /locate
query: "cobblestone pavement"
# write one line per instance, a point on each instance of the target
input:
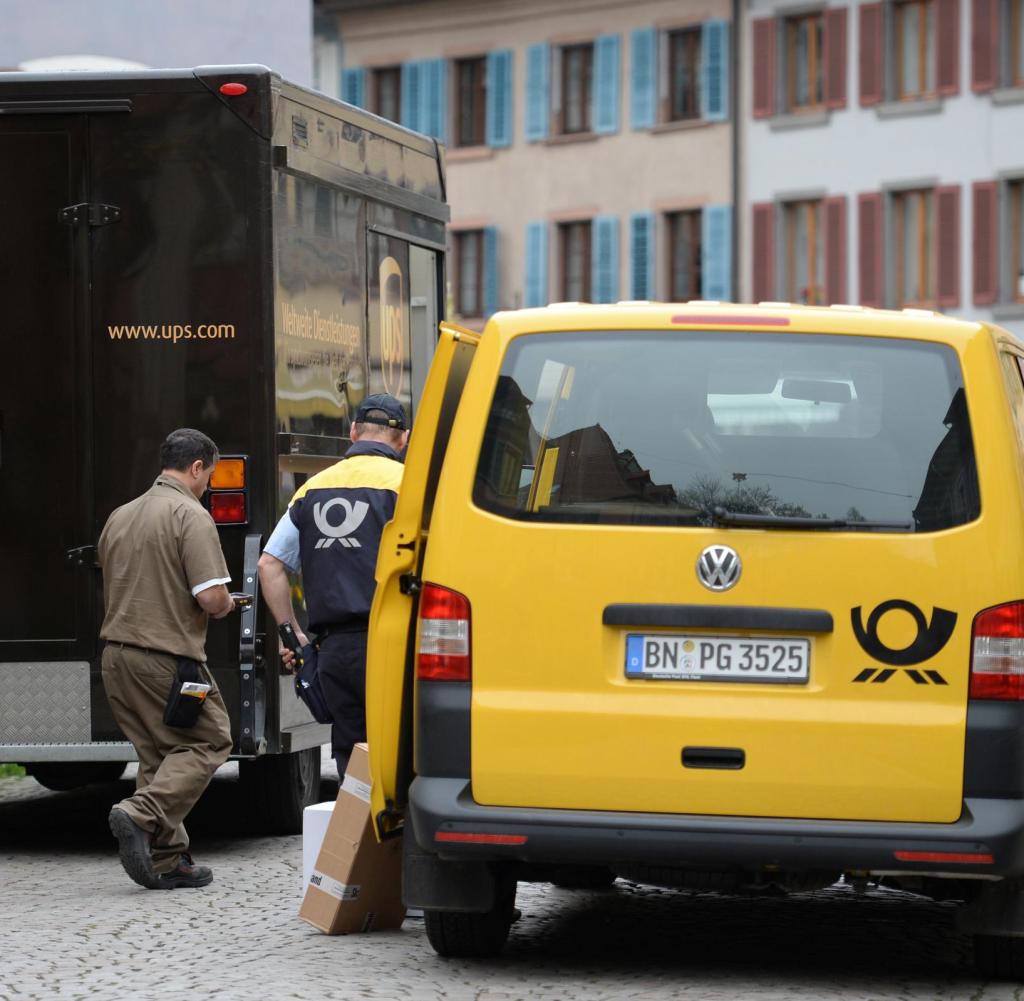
(73, 926)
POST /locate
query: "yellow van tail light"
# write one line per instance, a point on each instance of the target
(997, 653)
(444, 653)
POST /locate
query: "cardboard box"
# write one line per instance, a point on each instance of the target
(315, 819)
(356, 884)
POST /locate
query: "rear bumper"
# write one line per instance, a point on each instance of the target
(445, 806)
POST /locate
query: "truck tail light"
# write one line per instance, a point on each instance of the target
(444, 653)
(228, 474)
(228, 508)
(997, 653)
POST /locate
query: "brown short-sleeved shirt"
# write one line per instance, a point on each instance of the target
(156, 553)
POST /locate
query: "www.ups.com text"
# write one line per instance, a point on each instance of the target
(172, 332)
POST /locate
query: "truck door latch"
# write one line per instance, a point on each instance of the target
(82, 556)
(94, 213)
(409, 583)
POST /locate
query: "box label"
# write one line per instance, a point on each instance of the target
(356, 787)
(343, 891)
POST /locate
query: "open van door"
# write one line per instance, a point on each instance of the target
(392, 647)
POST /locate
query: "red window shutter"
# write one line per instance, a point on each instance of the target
(984, 245)
(869, 248)
(835, 57)
(871, 53)
(947, 46)
(984, 44)
(764, 251)
(947, 245)
(835, 249)
(764, 67)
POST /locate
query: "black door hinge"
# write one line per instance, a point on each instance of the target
(94, 213)
(409, 583)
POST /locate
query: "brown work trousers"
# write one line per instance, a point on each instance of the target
(175, 765)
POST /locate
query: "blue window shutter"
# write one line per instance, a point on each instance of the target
(714, 89)
(499, 98)
(643, 58)
(490, 269)
(536, 291)
(538, 91)
(716, 253)
(607, 63)
(604, 279)
(353, 86)
(410, 96)
(641, 250)
(433, 98)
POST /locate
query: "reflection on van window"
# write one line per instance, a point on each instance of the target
(661, 428)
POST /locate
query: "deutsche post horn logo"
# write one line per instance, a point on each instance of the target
(392, 326)
(930, 639)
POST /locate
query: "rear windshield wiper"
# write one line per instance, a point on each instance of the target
(722, 516)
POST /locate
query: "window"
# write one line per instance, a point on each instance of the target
(642, 427)
(804, 253)
(914, 48)
(470, 101)
(387, 92)
(684, 255)
(805, 76)
(574, 238)
(913, 222)
(469, 272)
(684, 55)
(1015, 193)
(577, 84)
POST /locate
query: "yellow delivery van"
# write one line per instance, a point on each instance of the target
(707, 595)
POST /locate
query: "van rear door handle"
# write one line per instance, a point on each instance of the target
(732, 758)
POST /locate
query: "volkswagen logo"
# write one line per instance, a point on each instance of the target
(719, 568)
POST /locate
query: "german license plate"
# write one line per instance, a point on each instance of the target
(774, 660)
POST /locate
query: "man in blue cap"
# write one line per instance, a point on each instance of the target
(331, 532)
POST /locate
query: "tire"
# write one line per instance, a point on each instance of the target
(61, 776)
(278, 787)
(466, 935)
(999, 957)
(584, 877)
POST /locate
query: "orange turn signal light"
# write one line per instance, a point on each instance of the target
(228, 475)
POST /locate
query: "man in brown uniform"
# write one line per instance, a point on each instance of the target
(163, 575)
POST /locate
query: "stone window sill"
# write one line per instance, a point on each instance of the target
(1008, 311)
(465, 154)
(681, 125)
(905, 109)
(1008, 95)
(571, 137)
(799, 120)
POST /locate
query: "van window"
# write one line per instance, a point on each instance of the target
(662, 427)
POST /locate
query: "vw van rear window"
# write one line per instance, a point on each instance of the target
(685, 427)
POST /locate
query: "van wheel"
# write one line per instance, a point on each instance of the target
(60, 776)
(467, 935)
(583, 877)
(278, 787)
(999, 957)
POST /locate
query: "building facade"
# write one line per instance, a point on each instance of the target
(883, 151)
(589, 143)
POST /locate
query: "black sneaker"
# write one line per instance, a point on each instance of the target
(185, 874)
(134, 848)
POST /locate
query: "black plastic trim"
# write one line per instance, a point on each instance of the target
(986, 826)
(443, 716)
(808, 620)
(994, 750)
(65, 106)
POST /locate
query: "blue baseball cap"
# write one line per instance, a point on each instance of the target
(382, 409)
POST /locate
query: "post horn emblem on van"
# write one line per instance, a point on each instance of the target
(719, 568)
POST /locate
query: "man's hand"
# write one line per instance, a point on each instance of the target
(287, 657)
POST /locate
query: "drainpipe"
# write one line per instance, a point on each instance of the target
(734, 100)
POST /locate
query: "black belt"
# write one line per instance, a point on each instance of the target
(142, 649)
(337, 628)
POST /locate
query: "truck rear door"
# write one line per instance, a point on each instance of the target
(389, 678)
(44, 393)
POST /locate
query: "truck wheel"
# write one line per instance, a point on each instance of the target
(999, 957)
(583, 877)
(60, 776)
(468, 935)
(278, 787)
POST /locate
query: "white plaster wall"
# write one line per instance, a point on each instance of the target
(970, 139)
(556, 180)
